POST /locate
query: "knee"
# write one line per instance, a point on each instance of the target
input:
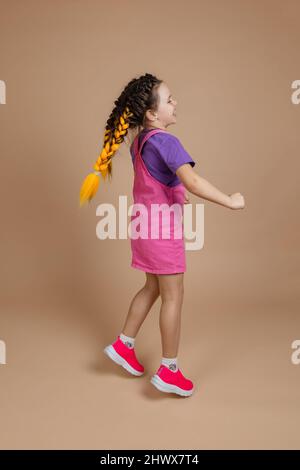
(173, 296)
(152, 289)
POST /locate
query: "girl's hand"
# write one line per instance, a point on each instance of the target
(186, 198)
(237, 201)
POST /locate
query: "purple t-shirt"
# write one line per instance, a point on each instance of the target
(163, 154)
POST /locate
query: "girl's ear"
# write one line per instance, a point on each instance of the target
(150, 114)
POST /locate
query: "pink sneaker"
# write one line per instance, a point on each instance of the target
(172, 382)
(124, 356)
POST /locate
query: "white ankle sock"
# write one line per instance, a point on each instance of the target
(127, 340)
(171, 363)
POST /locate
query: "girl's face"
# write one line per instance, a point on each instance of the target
(166, 112)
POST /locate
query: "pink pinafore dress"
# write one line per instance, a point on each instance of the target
(156, 254)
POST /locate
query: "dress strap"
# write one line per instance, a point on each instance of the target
(147, 136)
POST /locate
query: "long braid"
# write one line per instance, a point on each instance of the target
(129, 112)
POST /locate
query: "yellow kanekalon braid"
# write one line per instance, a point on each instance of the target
(103, 165)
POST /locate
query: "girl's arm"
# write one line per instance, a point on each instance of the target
(204, 189)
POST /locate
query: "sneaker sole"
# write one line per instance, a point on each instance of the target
(169, 388)
(112, 354)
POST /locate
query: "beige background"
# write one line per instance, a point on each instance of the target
(65, 293)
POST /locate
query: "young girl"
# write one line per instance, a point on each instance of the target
(163, 171)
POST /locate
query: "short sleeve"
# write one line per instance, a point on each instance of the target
(172, 152)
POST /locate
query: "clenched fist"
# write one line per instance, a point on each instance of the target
(237, 201)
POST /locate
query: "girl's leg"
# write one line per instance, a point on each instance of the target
(169, 378)
(141, 305)
(171, 291)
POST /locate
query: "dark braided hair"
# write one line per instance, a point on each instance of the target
(139, 95)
